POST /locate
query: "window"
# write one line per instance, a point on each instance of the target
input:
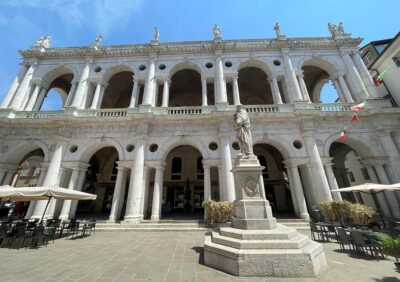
(350, 175)
(380, 48)
(176, 169)
(365, 174)
(396, 60)
(368, 58)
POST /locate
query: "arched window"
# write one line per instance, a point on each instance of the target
(176, 169)
(53, 101)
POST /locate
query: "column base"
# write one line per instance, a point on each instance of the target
(222, 106)
(155, 217)
(64, 217)
(145, 108)
(131, 219)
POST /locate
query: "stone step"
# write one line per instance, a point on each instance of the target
(138, 229)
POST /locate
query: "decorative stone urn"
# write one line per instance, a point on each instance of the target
(255, 244)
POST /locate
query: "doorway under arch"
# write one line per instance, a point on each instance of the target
(276, 182)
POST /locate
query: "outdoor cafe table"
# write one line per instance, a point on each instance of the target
(326, 228)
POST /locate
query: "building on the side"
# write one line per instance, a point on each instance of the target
(383, 55)
(149, 127)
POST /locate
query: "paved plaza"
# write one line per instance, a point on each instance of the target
(158, 256)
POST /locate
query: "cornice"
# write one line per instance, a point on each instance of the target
(189, 47)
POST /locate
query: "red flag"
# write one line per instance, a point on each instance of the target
(355, 117)
(379, 79)
(358, 107)
(343, 135)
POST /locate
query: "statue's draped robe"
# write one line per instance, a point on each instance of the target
(243, 132)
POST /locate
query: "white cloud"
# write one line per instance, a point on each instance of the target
(103, 15)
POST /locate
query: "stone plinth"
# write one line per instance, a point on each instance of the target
(255, 245)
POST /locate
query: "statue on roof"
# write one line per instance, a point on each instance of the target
(43, 41)
(340, 29)
(217, 32)
(97, 41)
(156, 36)
(332, 29)
(277, 30)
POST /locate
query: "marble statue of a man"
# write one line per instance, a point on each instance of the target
(156, 36)
(243, 134)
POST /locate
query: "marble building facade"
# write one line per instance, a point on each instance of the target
(143, 125)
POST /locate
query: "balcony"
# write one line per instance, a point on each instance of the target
(190, 111)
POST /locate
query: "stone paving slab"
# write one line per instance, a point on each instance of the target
(159, 256)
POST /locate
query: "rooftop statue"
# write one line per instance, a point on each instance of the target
(97, 41)
(43, 41)
(336, 30)
(156, 36)
(217, 32)
(277, 30)
(243, 134)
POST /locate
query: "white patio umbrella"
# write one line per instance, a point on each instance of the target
(372, 189)
(43, 193)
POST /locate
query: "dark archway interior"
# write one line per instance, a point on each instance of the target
(312, 76)
(119, 90)
(63, 82)
(254, 88)
(185, 89)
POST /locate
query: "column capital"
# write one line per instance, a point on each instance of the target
(88, 60)
(235, 76)
(285, 52)
(300, 73)
(126, 164)
(327, 161)
(308, 133)
(76, 165)
(156, 164)
(295, 162)
(376, 161)
(211, 162)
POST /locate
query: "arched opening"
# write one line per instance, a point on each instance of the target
(185, 89)
(183, 185)
(119, 90)
(56, 95)
(100, 180)
(276, 185)
(317, 77)
(349, 171)
(254, 88)
(27, 175)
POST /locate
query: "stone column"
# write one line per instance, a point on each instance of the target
(79, 186)
(276, 94)
(207, 181)
(358, 85)
(52, 176)
(390, 196)
(71, 93)
(299, 200)
(98, 96)
(149, 87)
(155, 97)
(365, 76)
(235, 86)
(380, 197)
(303, 87)
(39, 101)
(7, 172)
(135, 194)
(220, 82)
(16, 82)
(392, 152)
(146, 184)
(204, 91)
(332, 179)
(135, 93)
(294, 89)
(220, 182)
(339, 91)
(345, 89)
(42, 175)
(73, 182)
(157, 192)
(228, 190)
(119, 194)
(24, 88)
(34, 96)
(82, 87)
(165, 97)
(317, 169)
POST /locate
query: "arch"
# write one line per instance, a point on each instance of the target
(175, 142)
(92, 147)
(20, 150)
(330, 67)
(51, 74)
(185, 65)
(356, 142)
(109, 72)
(281, 147)
(255, 64)
(55, 100)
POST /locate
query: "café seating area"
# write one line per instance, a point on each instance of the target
(32, 233)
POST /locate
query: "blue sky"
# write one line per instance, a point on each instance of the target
(77, 22)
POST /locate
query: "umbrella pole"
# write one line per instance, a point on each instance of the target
(380, 210)
(48, 202)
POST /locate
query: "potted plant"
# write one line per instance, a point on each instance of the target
(391, 247)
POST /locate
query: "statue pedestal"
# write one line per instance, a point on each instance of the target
(255, 244)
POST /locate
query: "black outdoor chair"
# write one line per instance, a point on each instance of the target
(17, 234)
(362, 244)
(73, 230)
(314, 229)
(32, 223)
(88, 227)
(3, 232)
(344, 239)
(50, 233)
(39, 237)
